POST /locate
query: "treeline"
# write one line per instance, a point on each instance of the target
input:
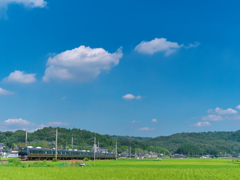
(214, 143)
(82, 139)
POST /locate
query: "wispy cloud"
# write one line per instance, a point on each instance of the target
(146, 129)
(5, 92)
(134, 121)
(201, 124)
(212, 118)
(161, 45)
(54, 124)
(27, 3)
(131, 96)
(154, 120)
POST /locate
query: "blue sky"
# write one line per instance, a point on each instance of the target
(122, 68)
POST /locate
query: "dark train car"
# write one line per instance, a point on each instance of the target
(48, 154)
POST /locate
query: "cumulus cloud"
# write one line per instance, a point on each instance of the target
(80, 64)
(54, 124)
(157, 45)
(212, 118)
(146, 129)
(161, 45)
(15, 124)
(17, 121)
(20, 77)
(201, 124)
(5, 92)
(27, 3)
(131, 96)
(238, 107)
(227, 111)
(154, 120)
(22, 124)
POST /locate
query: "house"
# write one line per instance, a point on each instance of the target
(13, 153)
(99, 149)
(177, 156)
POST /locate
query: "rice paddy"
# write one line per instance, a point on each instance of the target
(131, 169)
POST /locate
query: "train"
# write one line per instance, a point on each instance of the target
(26, 153)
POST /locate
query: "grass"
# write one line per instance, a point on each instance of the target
(131, 169)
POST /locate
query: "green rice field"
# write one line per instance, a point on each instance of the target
(132, 169)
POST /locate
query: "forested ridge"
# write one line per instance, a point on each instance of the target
(82, 139)
(215, 143)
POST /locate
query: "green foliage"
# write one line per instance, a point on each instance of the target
(83, 139)
(14, 161)
(214, 143)
(187, 149)
(86, 159)
(54, 160)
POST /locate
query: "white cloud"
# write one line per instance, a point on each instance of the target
(210, 111)
(128, 97)
(139, 97)
(20, 77)
(227, 111)
(80, 64)
(19, 121)
(146, 129)
(5, 92)
(238, 107)
(154, 120)
(15, 124)
(201, 124)
(157, 45)
(63, 98)
(131, 96)
(212, 118)
(196, 44)
(27, 3)
(134, 121)
(54, 124)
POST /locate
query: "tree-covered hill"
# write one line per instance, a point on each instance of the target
(83, 139)
(203, 143)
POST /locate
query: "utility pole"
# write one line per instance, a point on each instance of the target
(72, 142)
(98, 144)
(56, 144)
(116, 150)
(94, 146)
(26, 139)
(66, 145)
(130, 152)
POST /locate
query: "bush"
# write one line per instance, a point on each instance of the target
(15, 162)
(54, 160)
(86, 159)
